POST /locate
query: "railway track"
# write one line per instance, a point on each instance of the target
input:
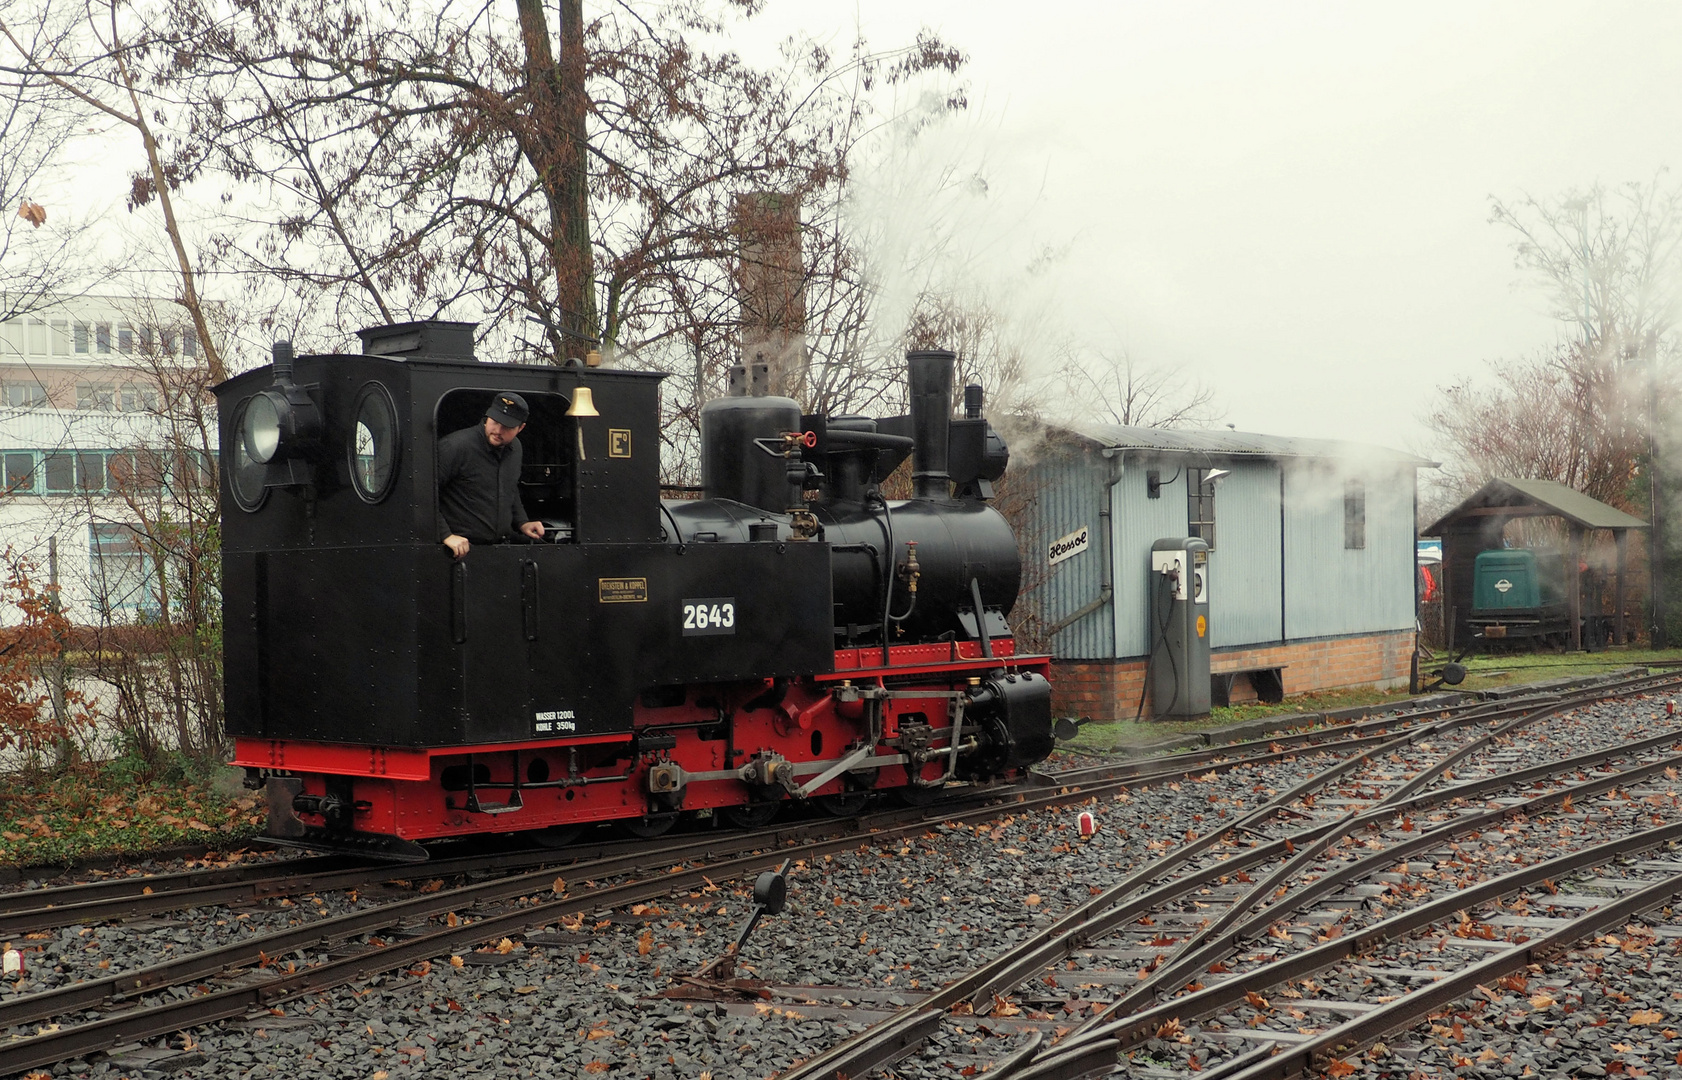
(26, 911)
(1166, 996)
(234, 981)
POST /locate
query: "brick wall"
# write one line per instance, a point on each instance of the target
(1109, 690)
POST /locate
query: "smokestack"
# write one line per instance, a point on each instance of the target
(930, 376)
(771, 285)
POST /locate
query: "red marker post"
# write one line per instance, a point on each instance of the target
(1088, 824)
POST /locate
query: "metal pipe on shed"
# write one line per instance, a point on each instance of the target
(1116, 456)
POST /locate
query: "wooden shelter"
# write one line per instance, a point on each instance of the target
(1478, 524)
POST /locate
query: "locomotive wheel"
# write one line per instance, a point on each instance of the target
(753, 815)
(557, 836)
(650, 827)
(847, 804)
(912, 795)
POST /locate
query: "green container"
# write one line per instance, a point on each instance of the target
(1517, 578)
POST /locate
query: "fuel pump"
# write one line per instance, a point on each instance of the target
(1179, 628)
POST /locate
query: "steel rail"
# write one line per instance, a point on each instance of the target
(102, 901)
(1222, 936)
(163, 1019)
(93, 992)
(1455, 715)
(1104, 921)
(1101, 914)
(396, 955)
(1130, 1030)
(23, 911)
(1415, 1005)
(1202, 946)
(122, 887)
(855, 1056)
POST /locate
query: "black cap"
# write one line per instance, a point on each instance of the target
(508, 409)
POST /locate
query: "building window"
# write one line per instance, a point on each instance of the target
(60, 470)
(61, 337)
(125, 338)
(38, 336)
(1354, 515)
(146, 340)
(20, 473)
(139, 471)
(190, 343)
(139, 397)
(90, 471)
(25, 395)
(82, 337)
(1200, 506)
(96, 397)
(102, 337)
(121, 573)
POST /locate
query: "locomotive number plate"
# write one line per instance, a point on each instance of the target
(709, 615)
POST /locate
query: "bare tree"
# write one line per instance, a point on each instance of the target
(90, 54)
(1610, 263)
(1536, 422)
(1113, 388)
(41, 253)
(468, 162)
(1609, 260)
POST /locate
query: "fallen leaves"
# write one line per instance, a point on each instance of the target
(33, 212)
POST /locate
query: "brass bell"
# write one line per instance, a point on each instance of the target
(582, 403)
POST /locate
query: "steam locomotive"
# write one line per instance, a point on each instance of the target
(791, 635)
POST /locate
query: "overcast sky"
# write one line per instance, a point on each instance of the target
(1291, 200)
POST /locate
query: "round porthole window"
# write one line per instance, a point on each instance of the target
(245, 473)
(373, 443)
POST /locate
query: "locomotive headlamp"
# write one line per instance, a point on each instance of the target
(260, 428)
(282, 421)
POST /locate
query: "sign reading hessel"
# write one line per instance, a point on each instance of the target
(1065, 546)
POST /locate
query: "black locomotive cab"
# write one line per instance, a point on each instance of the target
(347, 619)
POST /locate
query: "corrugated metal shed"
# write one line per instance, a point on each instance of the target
(1280, 569)
(1332, 589)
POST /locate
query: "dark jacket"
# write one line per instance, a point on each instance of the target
(478, 487)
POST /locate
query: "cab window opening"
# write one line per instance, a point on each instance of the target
(547, 474)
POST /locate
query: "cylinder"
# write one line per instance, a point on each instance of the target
(735, 464)
(930, 379)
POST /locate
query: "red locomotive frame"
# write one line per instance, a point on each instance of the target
(400, 795)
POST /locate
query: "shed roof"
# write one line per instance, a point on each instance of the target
(1547, 496)
(1236, 443)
